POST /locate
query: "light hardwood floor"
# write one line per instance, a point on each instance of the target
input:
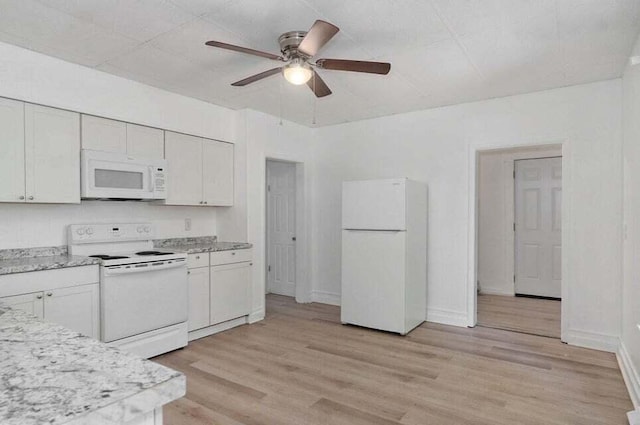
(301, 366)
(521, 314)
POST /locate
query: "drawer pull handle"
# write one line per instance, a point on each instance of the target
(233, 253)
(197, 257)
(49, 294)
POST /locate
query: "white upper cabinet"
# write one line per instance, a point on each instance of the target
(145, 142)
(52, 155)
(200, 171)
(102, 134)
(217, 182)
(11, 151)
(138, 141)
(184, 161)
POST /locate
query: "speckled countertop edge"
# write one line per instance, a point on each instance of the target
(198, 245)
(52, 375)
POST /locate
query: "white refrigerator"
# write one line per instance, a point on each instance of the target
(384, 254)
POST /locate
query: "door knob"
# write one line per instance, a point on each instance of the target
(39, 296)
(49, 294)
(293, 238)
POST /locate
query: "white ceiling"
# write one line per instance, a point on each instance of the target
(442, 51)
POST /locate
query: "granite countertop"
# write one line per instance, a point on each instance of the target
(199, 244)
(52, 375)
(43, 258)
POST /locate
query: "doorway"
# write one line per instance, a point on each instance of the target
(519, 239)
(281, 228)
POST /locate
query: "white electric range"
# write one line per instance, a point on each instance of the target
(143, 290)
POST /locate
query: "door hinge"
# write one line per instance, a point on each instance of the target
(514, 226)
(269, 268)
(514, 174)
(514, 278)
(268, 188)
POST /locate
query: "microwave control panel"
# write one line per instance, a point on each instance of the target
(159, 178)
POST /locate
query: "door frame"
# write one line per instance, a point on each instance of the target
(302, 284)
(474, 151)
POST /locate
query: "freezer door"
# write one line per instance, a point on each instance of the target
(374, 204)
(373, 279)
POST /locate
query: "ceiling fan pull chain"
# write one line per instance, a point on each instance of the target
(315, 100)
(280, 100)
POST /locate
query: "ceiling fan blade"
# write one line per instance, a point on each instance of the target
(354, 66)
(257, 77)
(318, 86)
(317, 36)
(244, 50)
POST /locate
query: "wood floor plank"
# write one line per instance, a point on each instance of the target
(301, 366)
(521, 314)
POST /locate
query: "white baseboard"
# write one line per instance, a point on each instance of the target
(324, 297)
(281, 289)
(592, 340)
(630, 374)
(255, 316)
(447, 317)
(495, 291)
(220, 327)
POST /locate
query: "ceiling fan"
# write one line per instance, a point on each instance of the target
(298, 48)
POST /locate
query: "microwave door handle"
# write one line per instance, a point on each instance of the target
(152, 181)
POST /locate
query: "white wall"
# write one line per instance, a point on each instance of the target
(33, 77)
(630, 346)
(266, 138)
(496, 240)
(435, 146)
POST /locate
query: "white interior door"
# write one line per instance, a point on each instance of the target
(538, 226)
(281, 226)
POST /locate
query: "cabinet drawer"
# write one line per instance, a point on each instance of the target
(198, 260)
(22, 283)
(228, 257)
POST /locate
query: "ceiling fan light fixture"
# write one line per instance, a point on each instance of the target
(297, 72)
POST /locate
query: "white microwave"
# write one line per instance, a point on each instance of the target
(109, 175)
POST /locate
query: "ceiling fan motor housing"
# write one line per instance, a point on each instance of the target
(289, 42)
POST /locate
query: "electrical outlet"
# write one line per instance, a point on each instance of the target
(187, 224)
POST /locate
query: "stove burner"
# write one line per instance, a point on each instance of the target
(108, 257)
(153, 253)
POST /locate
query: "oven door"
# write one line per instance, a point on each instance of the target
(106, 175)
(142, 297)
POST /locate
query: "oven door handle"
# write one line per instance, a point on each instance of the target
(144, 267)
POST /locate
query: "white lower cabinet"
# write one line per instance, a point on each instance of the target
(198, 298)
(31, 303)
(67, 297)
(219, 293)
(230, 296)
(76, 307)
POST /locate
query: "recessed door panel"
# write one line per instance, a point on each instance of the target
(281, 227)
(538, 195)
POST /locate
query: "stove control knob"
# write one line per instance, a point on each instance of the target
(140, 229)
(89, 231)
(80, 231)
(147, 229)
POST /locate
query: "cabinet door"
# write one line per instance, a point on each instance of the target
(145, 142)
(76, 307)
(102, 134)
(217, 173)
(198, 298)
(31, 303)
(230, 296)
(11, 151)
(52, 155)
(184, 162)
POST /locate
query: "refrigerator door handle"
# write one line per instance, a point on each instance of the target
(374, 230)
